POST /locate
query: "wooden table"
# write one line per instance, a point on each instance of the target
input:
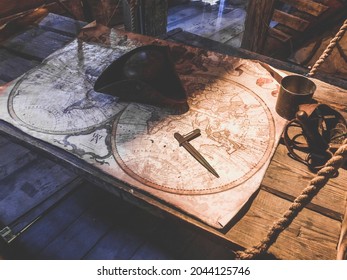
(312, 235)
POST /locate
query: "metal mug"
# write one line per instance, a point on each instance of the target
(294, 91)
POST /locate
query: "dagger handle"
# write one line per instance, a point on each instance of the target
(179, 138)
(189, 136)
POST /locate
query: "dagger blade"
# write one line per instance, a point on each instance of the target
(184, 142)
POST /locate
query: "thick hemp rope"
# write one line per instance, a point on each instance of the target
(133, 6)
(329, 49)
(329, 170)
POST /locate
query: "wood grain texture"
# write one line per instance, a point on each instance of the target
(155, 17)
(73, 242)
(203, 247)
(192, 19)
(150, 17)
(12, 66)
(259, 14)
(8, 7)
(289, 20)
(235, 41)
(310, 236)
(180, 14)
(279, 35)
(10, 10)
(287, 178)
(62, 25)
(231, 32)
(3, 140)
(173, 246)
(19, 23)
(46, 230)
(31, 216)
(106, 12)
(103, 231)
(342, 245)
(212, 27)
(335, 95)
(30, 186)
(126, 236)
(36, 43)
(12, 158)
(313, 235)
(310, 7)
(220, 23)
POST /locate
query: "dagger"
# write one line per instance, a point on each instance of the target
(184, 141)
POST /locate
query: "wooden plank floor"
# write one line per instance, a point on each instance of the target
(55, 213)
(81, 221)
(77, 220)
(222, 22)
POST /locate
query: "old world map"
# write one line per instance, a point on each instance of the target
(237, 133)
(229, 100)
(58, 97)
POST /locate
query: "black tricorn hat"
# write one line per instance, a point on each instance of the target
(146, 75)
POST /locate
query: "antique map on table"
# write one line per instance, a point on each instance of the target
(230, 100)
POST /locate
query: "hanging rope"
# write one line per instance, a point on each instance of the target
(329, 170)
(328, 49)
(133, 4)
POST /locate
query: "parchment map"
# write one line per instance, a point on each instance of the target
(237, 138)
(230, 100)
(76, 107)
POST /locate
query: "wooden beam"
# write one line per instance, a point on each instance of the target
(106, 12)
(13, 9)
(9, 7)
(309, 7)
(289, 20)
(259, 14)
(342, 245)
(36, 43)
(279, 35)
(145, 17)
(155, 17)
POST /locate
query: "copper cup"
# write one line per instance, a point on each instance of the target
(294, 91)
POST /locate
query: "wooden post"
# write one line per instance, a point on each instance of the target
(147, 17)
(259, 14)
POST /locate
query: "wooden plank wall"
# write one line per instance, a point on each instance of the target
(305, 19)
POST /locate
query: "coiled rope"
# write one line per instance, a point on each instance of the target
(329, 170)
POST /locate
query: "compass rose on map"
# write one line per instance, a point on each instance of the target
(237, 136)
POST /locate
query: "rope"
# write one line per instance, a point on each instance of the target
(133, 9)
(329, 170)
(329, 49)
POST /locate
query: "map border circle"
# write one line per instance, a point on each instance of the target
(218, 189)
